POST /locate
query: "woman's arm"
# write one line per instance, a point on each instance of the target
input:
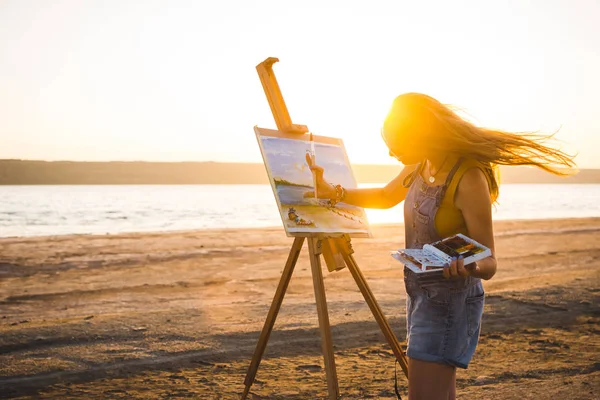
(385, 197)
(473, 199)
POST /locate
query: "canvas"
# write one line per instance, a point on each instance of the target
(284, 156)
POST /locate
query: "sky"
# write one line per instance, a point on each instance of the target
(176, 80)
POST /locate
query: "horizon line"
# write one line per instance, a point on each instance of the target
(227, 162)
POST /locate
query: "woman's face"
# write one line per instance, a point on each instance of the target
(403, 147)
(406, 129)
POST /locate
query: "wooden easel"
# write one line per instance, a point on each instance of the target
(337, 252)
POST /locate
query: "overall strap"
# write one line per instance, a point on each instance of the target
(448, 181)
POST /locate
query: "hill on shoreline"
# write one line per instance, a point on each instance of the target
(30, 172)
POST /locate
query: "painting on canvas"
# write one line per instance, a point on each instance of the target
(291, 178)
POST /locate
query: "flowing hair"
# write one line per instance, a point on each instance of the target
(445, 131)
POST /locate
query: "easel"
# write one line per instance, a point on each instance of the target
(337, 252)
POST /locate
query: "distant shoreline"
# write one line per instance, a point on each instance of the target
(32, 172)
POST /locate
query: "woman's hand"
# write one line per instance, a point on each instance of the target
(457, 268)
(483, 269)
(324, 189)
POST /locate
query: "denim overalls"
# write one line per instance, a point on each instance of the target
(443, 315)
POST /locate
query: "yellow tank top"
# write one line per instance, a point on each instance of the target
(449, 219)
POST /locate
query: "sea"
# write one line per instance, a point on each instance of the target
(103, 209)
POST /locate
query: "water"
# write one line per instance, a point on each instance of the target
(293, 195)
(100, 209)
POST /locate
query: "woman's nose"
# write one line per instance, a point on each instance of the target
(392, 154)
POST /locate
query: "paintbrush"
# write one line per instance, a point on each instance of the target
(313, 162)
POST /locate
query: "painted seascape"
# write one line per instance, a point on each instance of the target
(291, 180)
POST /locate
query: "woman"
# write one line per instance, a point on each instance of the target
(449, 184)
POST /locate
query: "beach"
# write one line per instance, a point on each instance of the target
(178, 314)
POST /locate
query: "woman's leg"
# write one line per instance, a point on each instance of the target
(452, 394)
(430, 381)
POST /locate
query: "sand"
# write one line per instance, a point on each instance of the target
(177, 315)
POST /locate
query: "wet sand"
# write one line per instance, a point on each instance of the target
(177, 315)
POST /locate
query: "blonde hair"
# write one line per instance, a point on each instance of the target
(444, 130)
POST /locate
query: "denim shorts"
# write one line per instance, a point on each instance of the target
(443, 317)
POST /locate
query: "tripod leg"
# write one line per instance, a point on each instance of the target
(272, 315)
(314, 248)
(385, 327)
